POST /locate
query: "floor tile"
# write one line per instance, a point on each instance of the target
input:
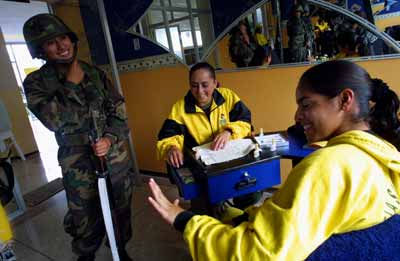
(24, 252)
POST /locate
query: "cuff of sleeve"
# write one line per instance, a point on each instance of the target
(112, 137)
(242, 218)
(229, 129)
(71, 85)
(182, 219)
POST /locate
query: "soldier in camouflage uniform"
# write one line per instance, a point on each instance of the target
(309, 28)
(297, 32)
(63, 94)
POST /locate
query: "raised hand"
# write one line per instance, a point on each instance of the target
(168, 210)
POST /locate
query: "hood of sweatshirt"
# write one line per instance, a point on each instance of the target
(383, 151)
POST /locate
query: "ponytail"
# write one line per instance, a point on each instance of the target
(383, 116)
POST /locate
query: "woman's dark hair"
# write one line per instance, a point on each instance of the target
(202, 65)
(331, 78)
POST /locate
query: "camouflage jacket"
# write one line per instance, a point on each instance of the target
(66, 108)
(297, 32)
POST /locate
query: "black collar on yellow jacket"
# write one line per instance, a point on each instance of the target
(190, 101)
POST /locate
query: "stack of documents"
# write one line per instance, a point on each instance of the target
(234, 149)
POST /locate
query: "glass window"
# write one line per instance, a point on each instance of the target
(24, 61)
(259, 16)
(10, 54)
(155, 17)
(161, 37)
(180, 15)
(176, 43)
(198, 38)
(187, 40)
(15, 69)
(179, 3)
(180, 26)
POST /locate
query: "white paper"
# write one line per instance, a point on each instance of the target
(234, 149)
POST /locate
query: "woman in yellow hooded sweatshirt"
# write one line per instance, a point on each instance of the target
(351, 184)
(5, 236)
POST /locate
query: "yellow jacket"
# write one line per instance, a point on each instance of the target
(188, 125)
(260, 39)
(5, 229)
(352, 184)
(322, 26)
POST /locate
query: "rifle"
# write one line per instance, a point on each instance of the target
(105, 189)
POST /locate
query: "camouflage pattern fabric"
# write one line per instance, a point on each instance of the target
(43, 27)
(65, 108)
(310, 35)
(297, 39)
(240, 52)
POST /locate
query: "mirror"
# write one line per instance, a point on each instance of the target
(181, 26)
(305, 33)
(270, 33)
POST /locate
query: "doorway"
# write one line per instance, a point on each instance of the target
(12, 17)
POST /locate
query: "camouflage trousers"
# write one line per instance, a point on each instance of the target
(84, 219)
(298, 54)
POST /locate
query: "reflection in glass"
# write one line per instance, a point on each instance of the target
(176, 43)
(266, 35)
(307, 34)
(182, 26)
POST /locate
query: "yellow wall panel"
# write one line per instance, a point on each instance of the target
(269, 93)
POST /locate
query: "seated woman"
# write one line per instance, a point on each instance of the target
(205, 114)
(351, 184)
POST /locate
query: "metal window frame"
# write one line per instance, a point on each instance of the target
(372, 28)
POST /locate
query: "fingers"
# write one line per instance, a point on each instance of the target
(75, 73)
(219, 143)
(180, 158)
(101, 147)
(158, 195)
(175, 157)
(160, 202)
(159, 209)
(216, 144)
(163, 206)
(173, 161)
(221, 140)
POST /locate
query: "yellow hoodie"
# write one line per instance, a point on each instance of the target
(352, 184)
(5, 229)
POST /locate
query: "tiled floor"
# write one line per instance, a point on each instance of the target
(39, 233)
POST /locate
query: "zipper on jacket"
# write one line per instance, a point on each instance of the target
(209, 120)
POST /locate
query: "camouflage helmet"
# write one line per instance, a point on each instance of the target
(298, 8)
(306, 8)
(41, 28)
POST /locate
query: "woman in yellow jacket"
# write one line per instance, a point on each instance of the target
(5, 236)
(205, 114)
(351, 184)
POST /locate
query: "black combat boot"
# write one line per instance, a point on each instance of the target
(86, 258)
(123, 255)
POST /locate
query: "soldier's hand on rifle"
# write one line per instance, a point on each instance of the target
(101, 147)
(75, 73)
